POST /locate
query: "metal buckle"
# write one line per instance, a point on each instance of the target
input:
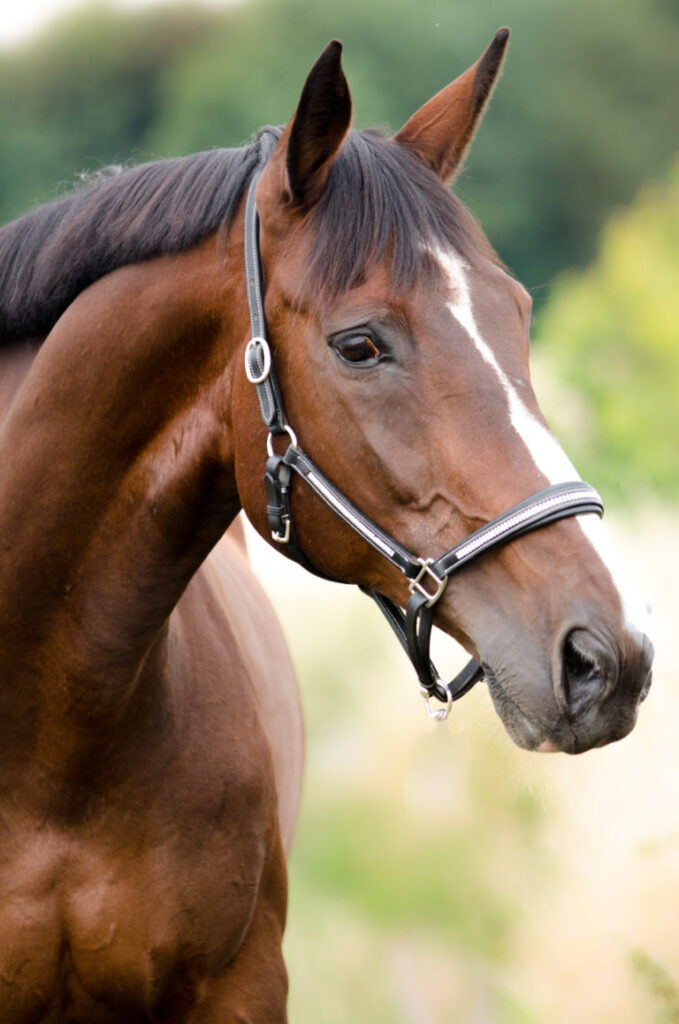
(283, 538)
(266, 355)
(426, 570)
(287, 429)
(438, 714)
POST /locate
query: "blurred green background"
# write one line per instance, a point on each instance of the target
(440, 875)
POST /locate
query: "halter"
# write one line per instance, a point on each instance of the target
(427, 577)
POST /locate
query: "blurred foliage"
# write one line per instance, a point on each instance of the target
(395, 876)
(611, 333)
(585, 112)
(84, 94)
(660, 984)
(440, 874)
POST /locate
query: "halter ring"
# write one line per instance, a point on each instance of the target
(441, 713)
(286, 429)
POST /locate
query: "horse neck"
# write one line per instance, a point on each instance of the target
(116, 474)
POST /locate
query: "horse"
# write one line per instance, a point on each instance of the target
(151, 737)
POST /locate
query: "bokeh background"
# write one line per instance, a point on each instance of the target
(441, 876)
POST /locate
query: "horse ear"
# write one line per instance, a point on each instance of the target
(441, 131)
(313, 137)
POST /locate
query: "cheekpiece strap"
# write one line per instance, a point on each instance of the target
(258, 354)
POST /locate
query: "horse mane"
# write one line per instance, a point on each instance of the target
(379, 198)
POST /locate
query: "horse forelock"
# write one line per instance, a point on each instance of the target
(381, 201)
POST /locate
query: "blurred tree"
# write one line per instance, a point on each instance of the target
(585, 113)
(611, 331)
(84, 94)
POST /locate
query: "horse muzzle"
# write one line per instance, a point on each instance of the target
(588, 697)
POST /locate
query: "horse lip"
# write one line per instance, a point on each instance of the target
(525, 732)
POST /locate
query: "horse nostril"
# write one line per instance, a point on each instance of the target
(586, 672)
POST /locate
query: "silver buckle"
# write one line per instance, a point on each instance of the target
(282, 538)
(441, 713)
(266, 355)
(426, 570)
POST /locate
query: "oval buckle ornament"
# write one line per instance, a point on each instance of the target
(440, 713)
(254, 347)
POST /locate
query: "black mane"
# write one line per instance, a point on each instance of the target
(378, 196)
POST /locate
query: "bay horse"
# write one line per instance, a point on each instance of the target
(150, 731)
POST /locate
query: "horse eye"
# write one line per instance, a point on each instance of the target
(357, 348)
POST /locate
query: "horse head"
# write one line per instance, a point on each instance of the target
(401, 346)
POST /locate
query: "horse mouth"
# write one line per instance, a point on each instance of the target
(560, 734)
(526, 733)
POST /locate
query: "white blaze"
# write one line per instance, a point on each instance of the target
(546, 452)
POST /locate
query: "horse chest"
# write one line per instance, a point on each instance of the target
(86, 929)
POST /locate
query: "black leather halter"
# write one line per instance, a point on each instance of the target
(427, 577)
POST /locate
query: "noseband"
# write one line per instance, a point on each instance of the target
(427, 577)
